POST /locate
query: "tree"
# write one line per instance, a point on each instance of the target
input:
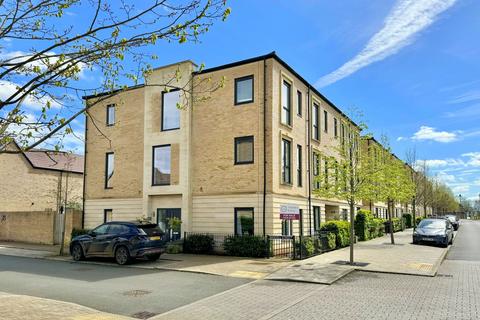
(411, 157)
(107, 37)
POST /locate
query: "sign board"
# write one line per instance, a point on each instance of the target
(289, 212)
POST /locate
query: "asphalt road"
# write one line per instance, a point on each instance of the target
(113, 289)
(466, 245)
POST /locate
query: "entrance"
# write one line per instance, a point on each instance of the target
(165, 220)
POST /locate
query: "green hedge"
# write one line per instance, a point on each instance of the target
(397, 225)
(367, 227)
(305, 247)
(408, 220)
(341, 229)
(198, 243)
(246, 246)
(79, 232)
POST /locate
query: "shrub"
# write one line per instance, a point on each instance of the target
(305, 247)
(79, 232)
(380, 226)
(327, 241)
(364, 225)
(246, 246)
(174, 248)
(408, 220)
(397, 225)
(341, 229)
(198, 243)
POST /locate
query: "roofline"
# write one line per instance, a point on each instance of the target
(106, 93)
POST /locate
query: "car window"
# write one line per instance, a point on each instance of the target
(432, 224)
(101, 229)
(151, 229)
(118, 229)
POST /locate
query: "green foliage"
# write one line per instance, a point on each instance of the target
(367, 227)
(198, 243)
(305, 247)
(174, 223)
(246, 246)
(328, 242)
(397, 225)
(417, 220)
(341, 229)
(380, 227)
(408, 220)
(174, 248)
(79, 232)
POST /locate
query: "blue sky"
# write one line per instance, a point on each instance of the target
(412, 68)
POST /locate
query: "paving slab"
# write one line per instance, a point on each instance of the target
(29, 252)
(312, 273)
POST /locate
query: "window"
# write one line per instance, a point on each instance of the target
(315, 120)
(161, 165)
(299, 165)
(244, 150)
(325, 120)
(244, 221)
(335, 127)
(170, 110)
(299, 103)
(101, 230)
(342, 133)
(109, 165)
(286, 103)
(316, 218)
(118, 229)
(244, 90)
(344, 214)
(326, 173)
(110, 115)
(316, 170)
(287, 227)
(107, 215)
(286, 161)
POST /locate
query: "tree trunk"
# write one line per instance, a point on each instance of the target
(390, 221)
(352, 231)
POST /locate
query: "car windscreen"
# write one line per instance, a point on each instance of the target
(432, 224)
(451, 218)
(151, 229)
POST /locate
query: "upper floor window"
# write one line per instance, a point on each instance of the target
(299, 103)
(244, 150)
(286, 161)
(286, 103)
(109, 165)
(315, 120)
(161, 165)
(170, 110)
(299, 165)
(335, 127)
(244, 90)
(110, 115)
(325, 120)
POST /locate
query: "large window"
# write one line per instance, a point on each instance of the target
(286, 161)
(335, 127)
(244, 150)
(244, 221)
(299, 165)
(299, 104)
(325, 120)
(109, 165)
(110, 115)
(170, 110)
(316, 218)
(244, 90)
(286, 103)
(316, 170)
(161, 165)
(287, 227)
(315, 120)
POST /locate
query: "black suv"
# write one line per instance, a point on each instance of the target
(123, 241)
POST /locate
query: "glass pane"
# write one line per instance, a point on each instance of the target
(244, 90)
(110, 114)
(161, 165)
(244, 222)
(171, 113)
(101, 230)
(108, 215)
(244, 150)
(286, 101)
(110, 167)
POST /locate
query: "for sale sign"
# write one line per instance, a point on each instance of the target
(289, 212)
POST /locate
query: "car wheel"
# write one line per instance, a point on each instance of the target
(122, 255)
(77, 252)
(153, 257)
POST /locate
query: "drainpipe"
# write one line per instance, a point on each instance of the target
(307, 114)
(264, 141)
(84, 172)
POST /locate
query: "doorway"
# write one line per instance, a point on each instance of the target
(164, 220)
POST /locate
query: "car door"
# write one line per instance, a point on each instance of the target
(99, 238)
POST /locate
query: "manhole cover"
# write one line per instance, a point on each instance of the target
(144, 315)
(136, 293)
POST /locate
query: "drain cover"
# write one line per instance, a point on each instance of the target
(144, 315)
(136, 293)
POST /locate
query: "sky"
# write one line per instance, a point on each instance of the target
(410, 66)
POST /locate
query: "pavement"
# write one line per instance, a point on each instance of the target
(20, 249)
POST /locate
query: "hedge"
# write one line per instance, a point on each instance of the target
(341, 229)
(305, 247)
(408, 220)
(79, 232)
(397, 225)
(246, 246)
(367, 227)
(198, 243)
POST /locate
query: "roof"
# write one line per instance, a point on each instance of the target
(55, 160)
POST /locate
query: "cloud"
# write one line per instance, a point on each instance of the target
(430, 133)
(461, 188)
(472, 111)
(8, 88)
(474, 158)
(466, 97)
(405, 21)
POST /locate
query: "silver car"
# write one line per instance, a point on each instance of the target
(436, 231)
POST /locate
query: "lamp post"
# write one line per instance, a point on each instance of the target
(460, 204)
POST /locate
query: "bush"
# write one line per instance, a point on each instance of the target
(327, 242)
(79, 232)
(380, 226)
(246, 246)
(174, 248)
(408, 220)
(198, 243)
(341, 229)
(305, 247)
(364, 225)
(397, 225)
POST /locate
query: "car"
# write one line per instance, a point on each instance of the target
(453, 220)
(123, 241)
(434, 230)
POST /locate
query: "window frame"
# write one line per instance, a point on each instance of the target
(299, 165)
(107, 154)
(241, 139)
(236, 209)
(317, 220)
(105, 211)
(325, 121)
(289, 110)
(107, 117)
(316, 167)
(284, 162)
(153, 165)
(299, 103)
(287, 227)
(315, 121)
(163, 113)
(235, 95)
(335, 127)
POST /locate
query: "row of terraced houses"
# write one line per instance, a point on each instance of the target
(246, 150)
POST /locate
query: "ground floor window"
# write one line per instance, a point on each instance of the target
(243, 221)
(107, 215)
(316, 218)
(287, 227)
(345, 214)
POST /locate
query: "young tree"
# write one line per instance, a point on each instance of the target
(107, 37)
(411, 157)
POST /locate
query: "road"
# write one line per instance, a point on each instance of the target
(113, 289)
(466, 246)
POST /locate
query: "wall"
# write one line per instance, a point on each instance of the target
(123, 209)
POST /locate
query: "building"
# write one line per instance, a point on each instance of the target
(237, 155)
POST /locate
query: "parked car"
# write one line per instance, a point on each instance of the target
(434, 230)
(123, 241)
(453, 220)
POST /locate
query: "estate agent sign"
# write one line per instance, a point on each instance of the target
(289, 212)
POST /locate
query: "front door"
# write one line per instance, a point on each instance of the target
(169, 221)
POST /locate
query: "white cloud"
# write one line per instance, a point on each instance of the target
(445, 177)
(8, 88)
(461, 188)
(407, 18)
(466, 97)
(470, 112)
(429, 133)
(474, 158)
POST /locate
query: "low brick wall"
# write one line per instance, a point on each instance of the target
(35, 226)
